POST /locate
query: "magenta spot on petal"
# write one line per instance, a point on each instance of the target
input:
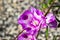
(25, 35)
(28, 29)
(37, 12)
(53, 24)
(25, 17)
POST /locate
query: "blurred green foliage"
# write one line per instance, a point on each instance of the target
(50, 1)
(59, 0)
(44, 5)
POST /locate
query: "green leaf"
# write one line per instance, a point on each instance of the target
(44, 5)
(50, 1)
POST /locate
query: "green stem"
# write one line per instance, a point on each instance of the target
(54, 37)
(46, 33)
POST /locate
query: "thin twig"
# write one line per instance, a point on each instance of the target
(18, 35)
(49, 8)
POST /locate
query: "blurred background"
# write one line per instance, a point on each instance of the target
(10, 10)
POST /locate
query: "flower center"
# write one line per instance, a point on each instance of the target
(34, 22)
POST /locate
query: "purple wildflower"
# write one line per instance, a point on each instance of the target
(33, 19)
